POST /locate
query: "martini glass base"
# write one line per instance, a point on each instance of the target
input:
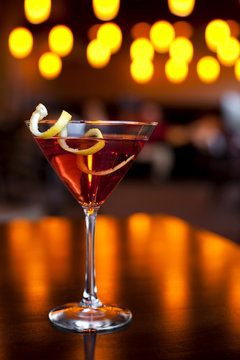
(77, 318)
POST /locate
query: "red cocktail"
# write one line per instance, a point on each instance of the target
(90, 178)
(91, 158)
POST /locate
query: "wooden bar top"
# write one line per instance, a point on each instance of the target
(182, 285)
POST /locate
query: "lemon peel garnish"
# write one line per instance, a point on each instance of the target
(83, 167)
(57, 127)
(96, 134)
(60, 127)
(93, 133)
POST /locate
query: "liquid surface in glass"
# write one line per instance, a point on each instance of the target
(75, 170)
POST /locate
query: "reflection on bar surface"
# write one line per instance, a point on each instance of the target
(177, 279)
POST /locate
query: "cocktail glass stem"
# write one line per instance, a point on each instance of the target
(90, 292)
(90, 315)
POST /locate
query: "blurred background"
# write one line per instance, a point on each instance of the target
(176, 62)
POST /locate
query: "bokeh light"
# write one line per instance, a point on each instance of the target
(139, 227)
(181, 49)
(92, 31)
(183, 28)
(234, 27)
(141, 29)
(208, 69)
(37, 11)
(110, 35)
(106, 9)
(228, 52)
(141, 48)
(141, 70)
(176, 71)
(162, 34)
(181, 7)
(98, 55)
(20, 42)
(50, 65)
(217, 31)
(60, 40)
(237, 69)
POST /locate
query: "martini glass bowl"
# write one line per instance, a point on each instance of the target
(91, 160)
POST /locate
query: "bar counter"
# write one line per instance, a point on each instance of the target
(182, 285)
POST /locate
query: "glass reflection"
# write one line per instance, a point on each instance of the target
(171, 238)
(27, 257)
(139, 226)
(212, 251)
(161, 246)
(39, 252)
(220, 272)
(234, 297)
(106, 256)
(55, 234)
(186, 272)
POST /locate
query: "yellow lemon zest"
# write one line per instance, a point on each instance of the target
(96, 133)
(60, 127)
(83, 167)
(57, 127)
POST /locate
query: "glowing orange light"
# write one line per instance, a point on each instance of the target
(213, 262)
(50, 65)
(171, 236)
(90, 162)
(168, 236)
(208, 69)
(141, 48)
(176, 71)
(20, 42)
(237, 69)
(20, 231)
(37, 11)
(234, 27)
(106, 9)
(139, 225)
(139, 228)
(98, 55)
(217, 31)
(228, 52)
(57, 231)
(92, 32)
(183, 28)
(60, 40)
(141, 70)
(181, 49)
(28, 262)
(107, 248)
(233, 296)
(55, 235)
(181, 7)
(162, 34)
(110, 35)
(141, 29)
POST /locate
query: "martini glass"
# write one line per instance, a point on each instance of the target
(91, 178)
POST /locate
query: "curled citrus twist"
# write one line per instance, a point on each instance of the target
(93, 133)
(60, 128)
(39, 114)
(83, 167)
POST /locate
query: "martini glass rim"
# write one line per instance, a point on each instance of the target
(101, 122)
